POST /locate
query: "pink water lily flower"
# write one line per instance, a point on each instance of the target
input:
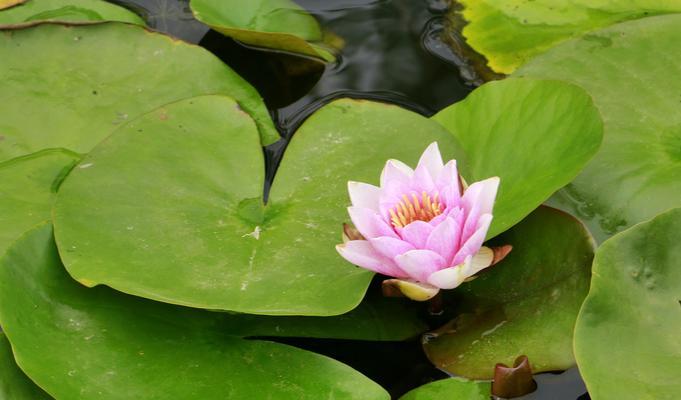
(421, 226)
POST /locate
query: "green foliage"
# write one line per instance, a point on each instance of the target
(535, 135)
(67, 11)
(452, 388)
(511, 32)
(627, 334)
(630, 71)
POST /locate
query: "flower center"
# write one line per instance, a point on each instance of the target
(409, 210)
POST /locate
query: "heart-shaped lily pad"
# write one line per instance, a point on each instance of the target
(535, 135)
(95, 91)
(630, 71)
(77, 342)
(627, 334)
(170, 206)
(274, 24)
(452, 388)
(13, 383)
(525, 305)
(29, 185)
(511, 32)
(68, 11)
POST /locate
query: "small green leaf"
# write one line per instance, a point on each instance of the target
(630, 71)
(452, 388)
(525, 305)
(29, 185)
(510, 32)
(273, 24)
(82, 82)
(13, 383)
(68, 11)
(535, 135)
(627, 333)
(77, 342)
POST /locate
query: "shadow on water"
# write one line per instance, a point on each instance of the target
(393, 52)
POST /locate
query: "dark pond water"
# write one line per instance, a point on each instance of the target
(394, 52)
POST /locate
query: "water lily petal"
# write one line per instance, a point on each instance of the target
(369, 223)
(448, 182)
(413, 290)
(481, 194)
(420, 264)
(396, 171)
(472, 245)
(364, 195)
(431, 161)
(390, 247)
(362, 254)
(444, 239)
(417, 233)
(451, 277)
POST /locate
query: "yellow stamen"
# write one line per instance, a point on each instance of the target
(409, 210)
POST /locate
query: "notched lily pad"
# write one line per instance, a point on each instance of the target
(168, 207)
(95, 91)
(104, 344)
(273, 24)
(627, 333)
(630, 70)
(499, 121)
(67, 11)
(525, 305)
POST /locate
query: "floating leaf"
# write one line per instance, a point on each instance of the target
(170, 206)
(627, 333)
(452, 388)
(535, 135)
(525, 305)
(510, 32)
(68, 11)
(273, 24)
(77, 93)
(29, 185)
(108, 345)
(630, 71)
(13, 383)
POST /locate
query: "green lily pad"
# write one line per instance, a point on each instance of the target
(77, 342)
(627, 333)
(274, 24)
(452, 388)
(13, 383)
(535, 135)
(630, 71)
(95, 91)
(510, 32)
(29, 185)
(170, 206)
(68, 11)
(525, 305)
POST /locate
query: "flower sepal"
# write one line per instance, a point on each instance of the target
(411, 289)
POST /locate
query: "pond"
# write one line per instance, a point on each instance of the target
(175, 177)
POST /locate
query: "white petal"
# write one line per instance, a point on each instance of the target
(396, 170)
(481, 260)
(364, 195)
(482, 194)
(449, 278)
